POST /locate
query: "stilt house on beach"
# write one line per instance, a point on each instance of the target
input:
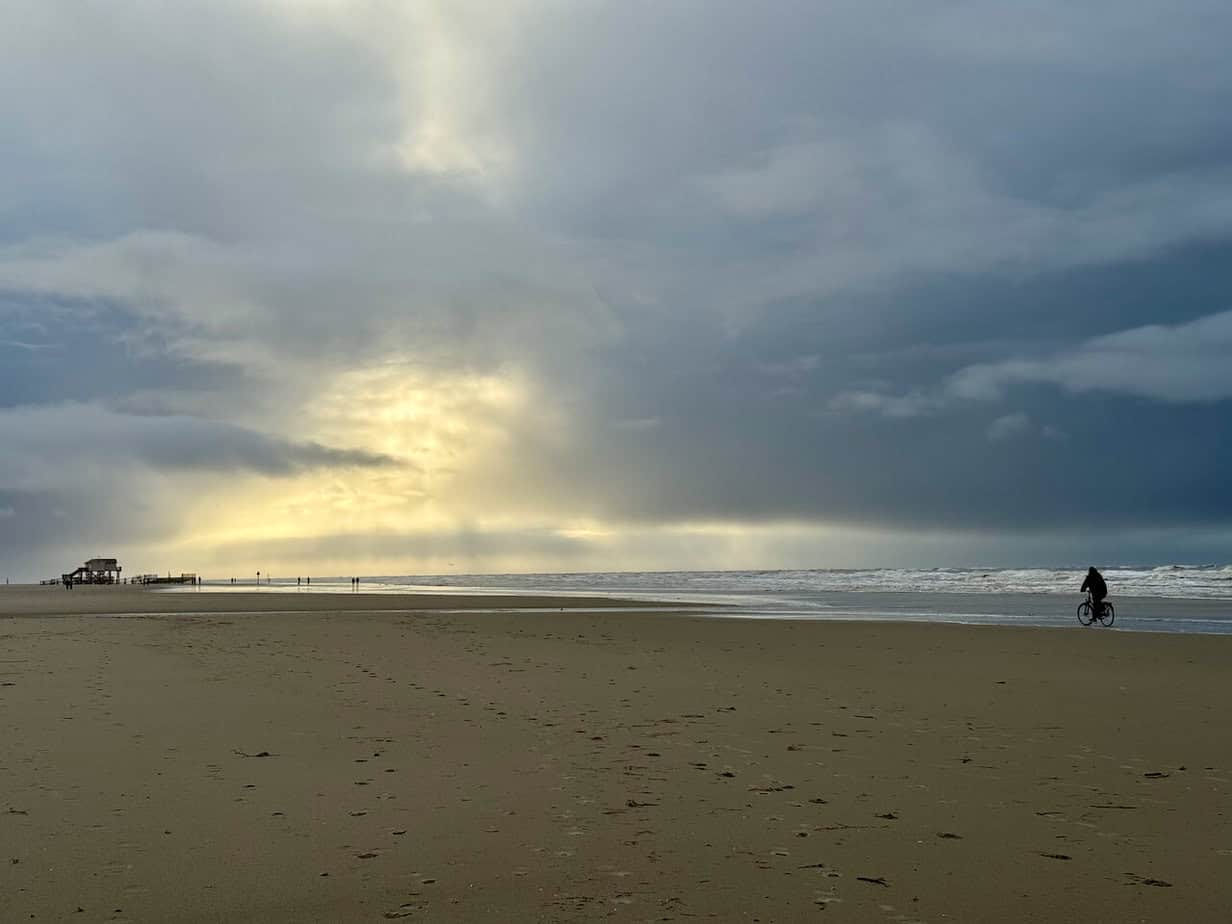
(95, 571)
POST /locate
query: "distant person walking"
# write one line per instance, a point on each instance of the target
(1094, 583)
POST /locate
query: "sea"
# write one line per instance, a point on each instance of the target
(1164, 598)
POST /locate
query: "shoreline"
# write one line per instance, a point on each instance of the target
(1208, 617)
(21, 601)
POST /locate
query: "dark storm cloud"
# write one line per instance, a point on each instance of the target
(912, 265)
(52, 352)
(998, 201)
(1126, 428)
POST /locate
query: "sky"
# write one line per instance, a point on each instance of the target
(317, 286)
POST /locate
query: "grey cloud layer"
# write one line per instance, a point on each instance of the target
(1184, 362)
(75, 477)
(1189, 362)
(33, 437)
(763, 257)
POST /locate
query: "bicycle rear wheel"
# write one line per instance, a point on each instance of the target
(1085, 616)
(1108, 615)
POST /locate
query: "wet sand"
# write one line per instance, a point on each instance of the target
(352, 758)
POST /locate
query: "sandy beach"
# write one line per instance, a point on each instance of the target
(284, 757)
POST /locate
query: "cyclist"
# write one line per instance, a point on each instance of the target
(1095, 584)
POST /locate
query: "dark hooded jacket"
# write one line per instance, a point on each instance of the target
(1095, 584)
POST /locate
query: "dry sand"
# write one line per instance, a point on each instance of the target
(336, 761)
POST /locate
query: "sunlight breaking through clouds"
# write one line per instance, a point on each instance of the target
(605, 284)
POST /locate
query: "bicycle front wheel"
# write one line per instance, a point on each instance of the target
(1108, 615)
(1084, 613)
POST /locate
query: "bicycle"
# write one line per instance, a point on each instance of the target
(1087, 613)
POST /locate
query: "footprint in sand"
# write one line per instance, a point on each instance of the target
(1135, 879)
(403, 911)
